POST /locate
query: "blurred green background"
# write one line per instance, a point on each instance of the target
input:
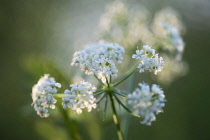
(55, 29)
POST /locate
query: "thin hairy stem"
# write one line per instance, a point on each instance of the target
(115, 118)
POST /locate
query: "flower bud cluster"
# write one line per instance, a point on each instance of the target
(148, 60)
(79, 97)
(99, 59)
(42, 95)
(147, 102)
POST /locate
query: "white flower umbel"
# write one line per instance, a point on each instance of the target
(148, 60)
(174, 39)
(147, 102)
(79, 97)
(99, 59)
(42, 95)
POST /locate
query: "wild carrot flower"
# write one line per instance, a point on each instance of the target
(42, 95)
(148, 60)
(99, 59)
(80, 96)
(147, 102)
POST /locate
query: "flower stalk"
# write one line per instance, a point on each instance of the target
(125, 77)
(71, 125)
(83, 95)
(115, 117)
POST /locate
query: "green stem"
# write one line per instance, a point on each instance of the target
(58, 95)
(126, 126)
(98, 79)
(107, 82)
(70, 125)
(115, 118)
(127, 109)
(105, 107)
(119, 93)
(130, 83)
(125, 77)
(101, 98)
(98, 93)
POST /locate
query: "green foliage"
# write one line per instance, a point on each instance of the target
(39, 65)
(50, 131)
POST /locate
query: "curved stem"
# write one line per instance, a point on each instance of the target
(115, 118)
